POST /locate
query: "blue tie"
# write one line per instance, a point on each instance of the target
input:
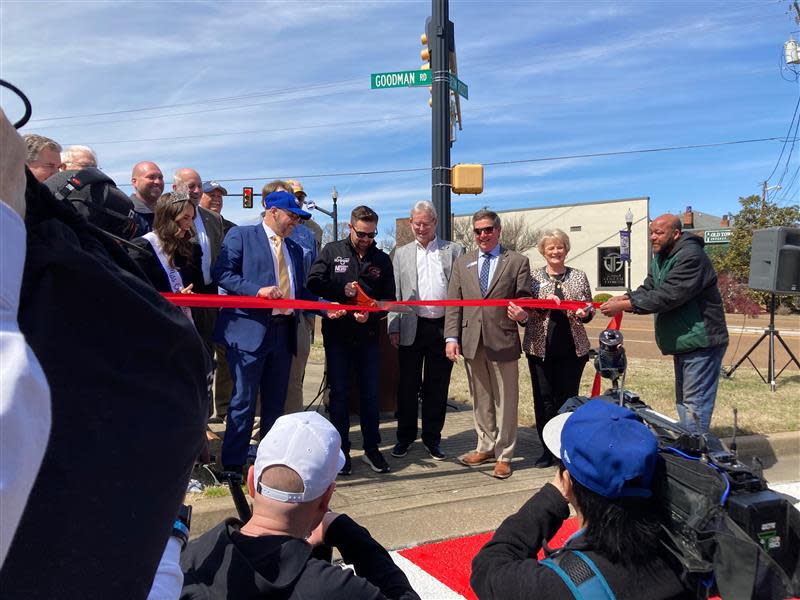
(484, 276)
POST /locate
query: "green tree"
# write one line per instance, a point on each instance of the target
(754, 214)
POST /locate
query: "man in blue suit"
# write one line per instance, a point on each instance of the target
(259, 260)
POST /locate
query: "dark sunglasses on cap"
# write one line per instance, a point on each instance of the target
(487, 230)
(365, 234)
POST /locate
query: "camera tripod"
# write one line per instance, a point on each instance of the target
(771, 333)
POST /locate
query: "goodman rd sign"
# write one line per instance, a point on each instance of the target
(395, 79)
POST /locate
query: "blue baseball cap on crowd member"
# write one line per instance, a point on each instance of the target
(286, 201)
(210, 186)
(605, 448)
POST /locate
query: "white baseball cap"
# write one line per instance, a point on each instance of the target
(307, 443)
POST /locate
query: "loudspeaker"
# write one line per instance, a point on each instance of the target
(775, 260)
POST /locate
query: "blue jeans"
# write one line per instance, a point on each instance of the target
(342, 356)
(696, 380)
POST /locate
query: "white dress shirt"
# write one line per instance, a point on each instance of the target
(24, 394)
(431, 282)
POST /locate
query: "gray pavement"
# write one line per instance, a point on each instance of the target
(423, 500)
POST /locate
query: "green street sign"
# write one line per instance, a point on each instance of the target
(459, 87)
(395, 79)
(717, 236)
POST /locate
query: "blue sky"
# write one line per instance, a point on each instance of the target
(545, 79)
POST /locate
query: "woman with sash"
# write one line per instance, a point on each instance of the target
(171, 261)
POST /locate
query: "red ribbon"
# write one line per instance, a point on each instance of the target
(224, 301)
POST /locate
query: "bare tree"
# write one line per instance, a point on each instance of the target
(516, 234)
(327, 232)
(388, 242)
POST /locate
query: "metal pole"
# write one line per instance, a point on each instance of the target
(438, 38)
(771, 357)
(335, 217)
(630, 254)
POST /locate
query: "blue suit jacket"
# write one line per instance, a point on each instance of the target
(244, 266)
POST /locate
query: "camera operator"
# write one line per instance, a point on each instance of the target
(270, 556)
(608, 458)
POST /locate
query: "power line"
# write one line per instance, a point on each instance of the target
(788, 134)
(505, 162)
(252, 131)
(200, 102)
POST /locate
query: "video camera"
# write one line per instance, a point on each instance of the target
(720, 519)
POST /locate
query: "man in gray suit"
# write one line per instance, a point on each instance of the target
(421, 272)
(488, 338)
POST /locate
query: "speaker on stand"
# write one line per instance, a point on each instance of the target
(774, 268)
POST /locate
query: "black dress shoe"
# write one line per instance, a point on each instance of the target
(435, 452)
(544, 461)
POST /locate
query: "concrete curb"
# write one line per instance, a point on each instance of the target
(409, 522)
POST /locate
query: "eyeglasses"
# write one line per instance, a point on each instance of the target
(364, 234)
(423, 224)
(292, 216)
(487, 230)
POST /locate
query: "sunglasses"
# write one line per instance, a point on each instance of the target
(487, 230)
(365, 234)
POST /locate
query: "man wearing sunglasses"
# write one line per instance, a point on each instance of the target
(488, 338)
(342, 266)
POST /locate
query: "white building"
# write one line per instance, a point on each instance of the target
(594, 233)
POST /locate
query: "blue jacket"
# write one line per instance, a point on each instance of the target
(244, 266)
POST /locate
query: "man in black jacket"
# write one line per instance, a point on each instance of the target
(270, 556)
(681, 291)
(343, 267)
(608, 458)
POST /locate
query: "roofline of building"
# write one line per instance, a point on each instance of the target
(589, 203)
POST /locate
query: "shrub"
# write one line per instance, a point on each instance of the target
(736, 296)
(601, 297)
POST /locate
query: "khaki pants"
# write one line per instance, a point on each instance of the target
(294, 397)
(494, 386)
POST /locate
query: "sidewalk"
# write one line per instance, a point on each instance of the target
(424, 500)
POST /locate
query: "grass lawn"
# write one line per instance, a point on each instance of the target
(760, 410)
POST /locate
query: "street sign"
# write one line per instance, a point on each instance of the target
(717, 236)
(459, 87)
(395, 79)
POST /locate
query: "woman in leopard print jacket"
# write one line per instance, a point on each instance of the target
(555, 341)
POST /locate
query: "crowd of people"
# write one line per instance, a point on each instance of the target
(237, 365)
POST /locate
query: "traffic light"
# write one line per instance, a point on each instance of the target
(425, 55)
(467, 179)
(247, 197)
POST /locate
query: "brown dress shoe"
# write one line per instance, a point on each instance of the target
(475, 458)
(502, 470)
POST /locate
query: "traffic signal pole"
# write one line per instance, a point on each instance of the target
(440, 44)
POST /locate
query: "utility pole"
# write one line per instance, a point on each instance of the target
(764, 196)
(439, 38)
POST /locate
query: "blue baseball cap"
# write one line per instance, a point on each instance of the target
(210, 186)
(286, 201)
(605, 448)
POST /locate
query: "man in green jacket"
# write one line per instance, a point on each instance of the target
(681, 291)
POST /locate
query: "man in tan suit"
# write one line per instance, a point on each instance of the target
(489, 339)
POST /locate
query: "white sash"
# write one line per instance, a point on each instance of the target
(173, 276)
